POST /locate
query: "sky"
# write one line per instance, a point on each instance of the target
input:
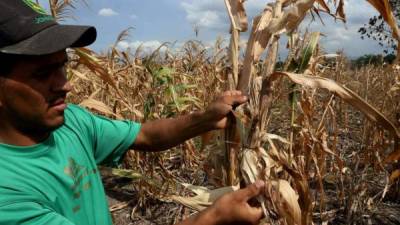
(154, 22)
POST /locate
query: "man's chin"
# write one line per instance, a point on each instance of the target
(58, 123)
(54, 124)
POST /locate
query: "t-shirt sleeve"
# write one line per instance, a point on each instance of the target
(110, 139)
(30, 213)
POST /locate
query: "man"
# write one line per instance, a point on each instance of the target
(49, 150)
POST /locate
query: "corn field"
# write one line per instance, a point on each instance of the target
(324, 137)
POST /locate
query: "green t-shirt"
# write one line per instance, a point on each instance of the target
(57, 182)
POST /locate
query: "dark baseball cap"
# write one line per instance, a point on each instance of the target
(27, 29)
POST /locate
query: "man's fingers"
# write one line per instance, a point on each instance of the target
(236, 93)
(230, 93)
(252, 190)
(234, 100)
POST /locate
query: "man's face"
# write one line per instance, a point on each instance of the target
(32, 96)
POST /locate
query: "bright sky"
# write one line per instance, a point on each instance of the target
(158, 21)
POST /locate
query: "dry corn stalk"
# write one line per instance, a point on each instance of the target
(238, 19)
(266, 28)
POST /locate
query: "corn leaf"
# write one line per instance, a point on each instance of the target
(340, 11)
(346, 94)
(99, 106)
(237, 14)
(323, 4)
(308, 51)
(204, 196)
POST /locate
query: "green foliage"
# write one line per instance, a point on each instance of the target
(163, 75)
(308, 51)
(370, 59)
(300, 64)
(175, 93)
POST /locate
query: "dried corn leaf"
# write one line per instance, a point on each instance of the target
(249, 166)
(88, 58)
(295, 15)
(251, 173)
(263, 28)
(258, 41)
(323, 4)
(315, 62)
(204, 197)
(80, 75)
(282, 196)
(99, 106)
(300, 182)
(393, 157)
(346, 94)
(340, 11)
(237, 14)
(394, 175)
(265, 136)
(289, 206)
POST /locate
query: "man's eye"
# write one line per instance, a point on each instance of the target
(46, 73)
(42, 75)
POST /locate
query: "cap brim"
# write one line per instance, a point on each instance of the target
(53, 39)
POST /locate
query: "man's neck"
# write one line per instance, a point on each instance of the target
(12, 136)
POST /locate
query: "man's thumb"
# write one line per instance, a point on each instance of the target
(253, 190)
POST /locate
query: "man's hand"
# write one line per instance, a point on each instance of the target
(232, 209)
(218, 110)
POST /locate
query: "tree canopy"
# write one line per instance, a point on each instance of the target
(378, 30)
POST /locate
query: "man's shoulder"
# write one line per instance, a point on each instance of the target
(75, 114)
(76, 118)
(73, 109)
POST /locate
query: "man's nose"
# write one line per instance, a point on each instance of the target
(67, 87)
(60, 82)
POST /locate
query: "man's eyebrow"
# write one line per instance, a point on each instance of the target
(52, 65)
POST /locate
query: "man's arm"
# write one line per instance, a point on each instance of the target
(166, 133)
(232, 208)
